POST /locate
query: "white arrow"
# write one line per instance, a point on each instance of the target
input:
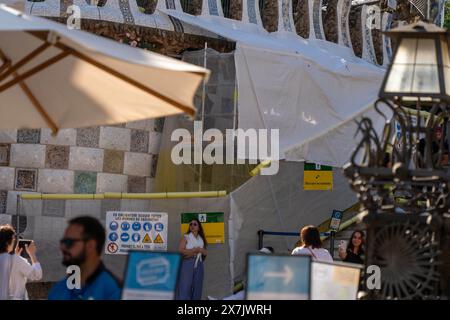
(287, 274)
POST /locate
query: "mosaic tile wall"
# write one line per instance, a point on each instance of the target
(122, 158)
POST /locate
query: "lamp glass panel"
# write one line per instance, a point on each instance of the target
(400, 78)
(426, 51)
(426, 79)
(446, 65)
(445, 52)
(447, 80)
(414, 69)
(406, 51)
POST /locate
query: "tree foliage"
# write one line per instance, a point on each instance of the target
(447, 15)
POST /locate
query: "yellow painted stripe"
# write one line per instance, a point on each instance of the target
(118, 195)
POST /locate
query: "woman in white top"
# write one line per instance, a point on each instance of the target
(193, 247)
(15, 270)
(312, 245)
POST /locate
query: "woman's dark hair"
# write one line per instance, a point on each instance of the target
(200, 231)
(7, 234)
(350, 245)
(310, 236)
(92, 229)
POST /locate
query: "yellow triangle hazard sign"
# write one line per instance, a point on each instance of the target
(146, 239)
(158, 239)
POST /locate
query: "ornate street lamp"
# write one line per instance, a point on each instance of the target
(399, 175)
(420, 69)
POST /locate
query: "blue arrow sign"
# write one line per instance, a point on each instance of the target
(278, 277)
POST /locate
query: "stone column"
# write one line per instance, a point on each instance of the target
(387, 47)
(212, 8)
(47, 8)
(286, 19)
(315, 20)
(368, 51)
(250, 12)
(343, 12)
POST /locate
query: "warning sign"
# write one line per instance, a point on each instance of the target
(134, 231)
(158, 239)
(147, 239)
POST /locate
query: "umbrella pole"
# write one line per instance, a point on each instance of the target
(13, 68)
(51, 124)
(6, 62)
(7, 69)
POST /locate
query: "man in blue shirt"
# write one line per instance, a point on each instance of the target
(82, 246)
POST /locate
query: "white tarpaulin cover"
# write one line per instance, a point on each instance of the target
(311, 90)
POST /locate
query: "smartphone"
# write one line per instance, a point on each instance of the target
(23, 242)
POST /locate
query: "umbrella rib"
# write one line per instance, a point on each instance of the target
(23, 61)
(35, 70)
(6, 62)
(133, 82)
(37, 105)
(188, 110)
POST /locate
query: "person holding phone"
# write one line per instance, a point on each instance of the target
(15, 270)
(354, 250)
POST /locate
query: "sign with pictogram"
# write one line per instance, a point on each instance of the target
(212, 223)
(158, 239)
(336, 218)
(147, 239)
(112, 247)
(135, 230)
(317, 177)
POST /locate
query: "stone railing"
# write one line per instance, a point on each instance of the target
(304, 17)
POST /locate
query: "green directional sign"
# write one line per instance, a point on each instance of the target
(212, 223)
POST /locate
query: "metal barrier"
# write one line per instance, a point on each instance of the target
(262, 233)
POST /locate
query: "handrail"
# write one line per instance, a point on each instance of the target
(119, 195)
(261, 234)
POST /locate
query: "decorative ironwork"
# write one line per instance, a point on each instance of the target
(401, 176)
(406, 251)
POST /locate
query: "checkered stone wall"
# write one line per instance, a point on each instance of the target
(119, 158)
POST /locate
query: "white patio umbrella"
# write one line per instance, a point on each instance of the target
(51, 76)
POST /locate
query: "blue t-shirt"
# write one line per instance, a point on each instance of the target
(101, 285)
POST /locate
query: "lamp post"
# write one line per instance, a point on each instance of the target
(420, 69)
(405, 192)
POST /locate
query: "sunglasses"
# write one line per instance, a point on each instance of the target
(68, 243)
